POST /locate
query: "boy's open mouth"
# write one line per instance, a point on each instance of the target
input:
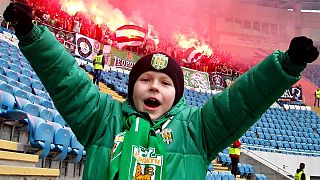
(152, 103)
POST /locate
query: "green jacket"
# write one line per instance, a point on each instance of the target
(198, 133)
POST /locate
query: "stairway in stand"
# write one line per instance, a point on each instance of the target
(219, 168)
(316, 109)
(107, 90)
(17, 165)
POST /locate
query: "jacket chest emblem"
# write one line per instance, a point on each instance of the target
(167, 135)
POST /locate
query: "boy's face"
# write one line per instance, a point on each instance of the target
(154, 93)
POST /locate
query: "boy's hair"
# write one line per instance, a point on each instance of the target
(158, 62)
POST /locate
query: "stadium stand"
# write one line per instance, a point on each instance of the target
(312, 73)
(26, 113)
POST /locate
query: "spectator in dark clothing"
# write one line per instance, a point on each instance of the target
(300, 175)
(234, 153)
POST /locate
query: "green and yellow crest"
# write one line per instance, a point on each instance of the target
(159, 61)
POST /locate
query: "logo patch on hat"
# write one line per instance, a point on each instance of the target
(159, 61)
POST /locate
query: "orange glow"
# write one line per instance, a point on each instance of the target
(100, 14)
(98, 20)
(116, 20)
(186, 43)
(72, 7)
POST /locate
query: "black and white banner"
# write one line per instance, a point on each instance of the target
(293, 94)
(217, 80)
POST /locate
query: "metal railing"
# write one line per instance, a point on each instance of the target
(266, 162)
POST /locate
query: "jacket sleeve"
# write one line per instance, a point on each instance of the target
(74, 95)
(229, 114)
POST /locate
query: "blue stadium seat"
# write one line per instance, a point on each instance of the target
(295, 133)
(21, 94)
(15, 83)
(13, 75)
(311, 147)
(4, 63)
(35, 84)
(257, 176)
(32, 109)
(38, 138)
(2, 70)
(7, 101)
(25, 80)
(26, 88)
(28, 67)
(244, 140)
(293, 145)
(47, 104)
(75, 149)
(286, 144)
(46, 114)
(42, 94)
(20, 102)
(27, 72)
(273, 143)
(15, 56)
(61, 141)
(211, 167)
(241, 169)
(271, 130)
(280, 138)
(305, 147)
(263, 177)
(217, 176)
(274, 137)
(267, 136)
(286, 138)
(225, 175)
(59, 119)
(7, 88)
(15, 68)
(35, 99)
(210, 177)
(280, 144)
(292, 139)
(248, 170)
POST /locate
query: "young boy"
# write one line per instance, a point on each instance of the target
(154, 134)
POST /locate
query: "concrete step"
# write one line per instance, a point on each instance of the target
(220, 168)
(238, 177)
(11, 146)
(18, 159)
(16, 172)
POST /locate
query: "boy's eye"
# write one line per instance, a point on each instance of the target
(166, 83)
(144, 79)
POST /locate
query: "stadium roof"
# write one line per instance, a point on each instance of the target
(287, 4)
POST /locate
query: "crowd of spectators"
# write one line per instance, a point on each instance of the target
(55, 16)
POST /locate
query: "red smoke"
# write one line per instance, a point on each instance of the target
(170, 16)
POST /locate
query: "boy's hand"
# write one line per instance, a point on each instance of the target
(302, 51)
(20, 16)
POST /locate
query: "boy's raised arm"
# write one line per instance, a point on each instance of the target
(228, 115)
(75, 97)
